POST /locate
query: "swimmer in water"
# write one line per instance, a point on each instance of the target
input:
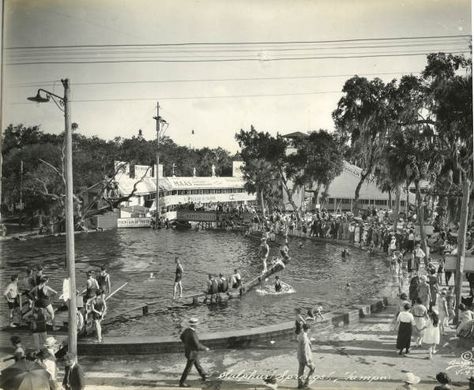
(277, 284)
(348, 286)
(284, 251)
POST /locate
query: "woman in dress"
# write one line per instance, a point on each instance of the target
(405, 322)
(420, 313)
(443, 311)
(431, 333)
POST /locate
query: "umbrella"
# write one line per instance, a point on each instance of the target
(25, 375)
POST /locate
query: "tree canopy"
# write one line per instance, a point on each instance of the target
(33, 167)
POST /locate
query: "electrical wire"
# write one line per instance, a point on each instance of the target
(240, 43)
(141, 50)
(209, 60)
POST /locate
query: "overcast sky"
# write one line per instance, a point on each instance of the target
(282, 95)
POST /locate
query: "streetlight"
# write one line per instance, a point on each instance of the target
(64, 104)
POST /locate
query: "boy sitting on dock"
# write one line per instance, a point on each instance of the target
(314, 314)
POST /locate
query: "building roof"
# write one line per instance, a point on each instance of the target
(295, 134)
(344, 185)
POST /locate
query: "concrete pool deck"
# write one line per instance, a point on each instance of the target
(355, 356)
(361, 356)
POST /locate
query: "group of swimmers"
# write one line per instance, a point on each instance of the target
(221, 284)
(31, 297)
(32, 291)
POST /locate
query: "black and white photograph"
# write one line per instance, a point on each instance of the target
(245, 194)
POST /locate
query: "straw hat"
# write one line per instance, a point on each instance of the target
(411, 378)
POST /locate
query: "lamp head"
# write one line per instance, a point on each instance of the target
(38, 98)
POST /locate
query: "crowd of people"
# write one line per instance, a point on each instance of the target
(45, 360)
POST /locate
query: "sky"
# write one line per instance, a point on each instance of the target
(215, 90)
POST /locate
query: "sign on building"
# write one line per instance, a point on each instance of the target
(133, 222)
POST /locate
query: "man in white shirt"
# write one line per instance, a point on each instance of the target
(419, 255)
(305, 357)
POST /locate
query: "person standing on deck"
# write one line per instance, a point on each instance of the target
(98, 310)
(236, 280)
(41, 295)
(192, 346)
(178, 287)
(103, 280)
(305, 357)
(13, 298)
(91, 287)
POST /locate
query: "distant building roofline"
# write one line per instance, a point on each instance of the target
(295, 134)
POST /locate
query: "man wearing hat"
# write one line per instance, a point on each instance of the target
(192, 346)
(73, 373)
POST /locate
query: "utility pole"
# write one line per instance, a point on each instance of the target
(2, 82)
(65, 103)
(461, 244)
(70, 253)
(21, 192)
(157, 197)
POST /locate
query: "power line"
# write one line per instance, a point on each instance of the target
(238, 43)
(79, 62)
(43, 83)
(135, 50)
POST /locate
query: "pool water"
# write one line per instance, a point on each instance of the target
(317, 273)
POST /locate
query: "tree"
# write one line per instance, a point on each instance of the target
(448, 80)
(317, 161)
(264, 180)
(264, 158)
(362, 119)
